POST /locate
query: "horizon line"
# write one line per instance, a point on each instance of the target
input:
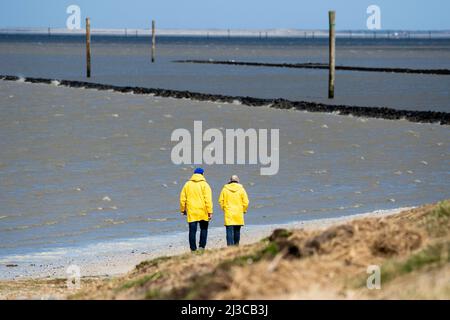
(237, 32)
(64, 29)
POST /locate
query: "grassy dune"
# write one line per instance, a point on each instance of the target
(412, 249)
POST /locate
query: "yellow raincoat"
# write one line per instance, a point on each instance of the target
(196, 199)
(234, 202)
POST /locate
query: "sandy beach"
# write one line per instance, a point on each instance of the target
(127, 272)
(119, 257)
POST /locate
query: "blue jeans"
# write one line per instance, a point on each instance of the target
(233, 235)
(193, 234)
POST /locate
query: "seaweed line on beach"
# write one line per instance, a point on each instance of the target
(442, 118)
(313, 65)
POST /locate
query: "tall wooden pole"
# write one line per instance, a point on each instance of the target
(88, 48)
(153, 41)
(332, 47)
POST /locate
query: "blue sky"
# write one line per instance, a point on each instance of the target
(247, 14)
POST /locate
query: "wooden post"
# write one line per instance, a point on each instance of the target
(153, 41)
(332, 45)
(88, 48)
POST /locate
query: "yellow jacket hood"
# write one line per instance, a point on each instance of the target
(196, 177)
(233, 187)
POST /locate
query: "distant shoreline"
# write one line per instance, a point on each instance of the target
(252, 33)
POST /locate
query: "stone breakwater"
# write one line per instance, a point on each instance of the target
(442, 118)
(320, 66)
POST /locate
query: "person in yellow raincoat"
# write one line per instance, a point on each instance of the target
(234, 202)
(196, 204)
